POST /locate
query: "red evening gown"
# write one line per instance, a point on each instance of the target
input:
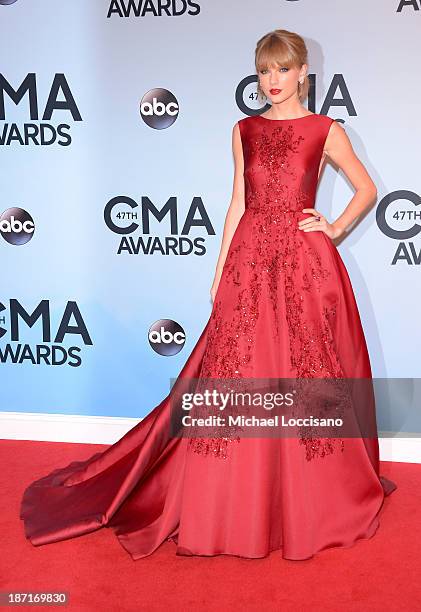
(284, 308)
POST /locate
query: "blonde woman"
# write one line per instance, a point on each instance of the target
(283, 308)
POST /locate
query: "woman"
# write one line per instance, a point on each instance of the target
(283, 308)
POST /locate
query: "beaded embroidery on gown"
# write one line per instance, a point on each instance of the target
(284, 308)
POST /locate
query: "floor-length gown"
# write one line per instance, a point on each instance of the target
(284, 308)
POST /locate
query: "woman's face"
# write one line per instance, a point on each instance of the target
(279, 83)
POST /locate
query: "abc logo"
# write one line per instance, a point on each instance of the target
(166, 337)
(16, 226)
(7, 1)
(159, 108)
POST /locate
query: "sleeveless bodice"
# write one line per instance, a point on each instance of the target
(281, 160)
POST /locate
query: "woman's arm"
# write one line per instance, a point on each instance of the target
(235, 209)
(339, 149)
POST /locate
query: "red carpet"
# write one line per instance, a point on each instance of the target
(378, 574)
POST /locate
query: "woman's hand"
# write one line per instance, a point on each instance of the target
(214, 288)
(318, 223)
(213, 291)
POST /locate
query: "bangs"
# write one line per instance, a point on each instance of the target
(274, 52)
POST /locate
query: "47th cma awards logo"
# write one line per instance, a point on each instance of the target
(122, 217)
(400, 223)
(44, 132)
(50, 352)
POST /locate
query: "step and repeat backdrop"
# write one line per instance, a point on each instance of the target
(116, 174)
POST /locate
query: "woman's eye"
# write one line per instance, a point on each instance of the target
(282, 68)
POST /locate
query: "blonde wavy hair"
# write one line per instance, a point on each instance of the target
(282, 48)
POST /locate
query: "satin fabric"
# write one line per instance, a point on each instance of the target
(284, 308)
